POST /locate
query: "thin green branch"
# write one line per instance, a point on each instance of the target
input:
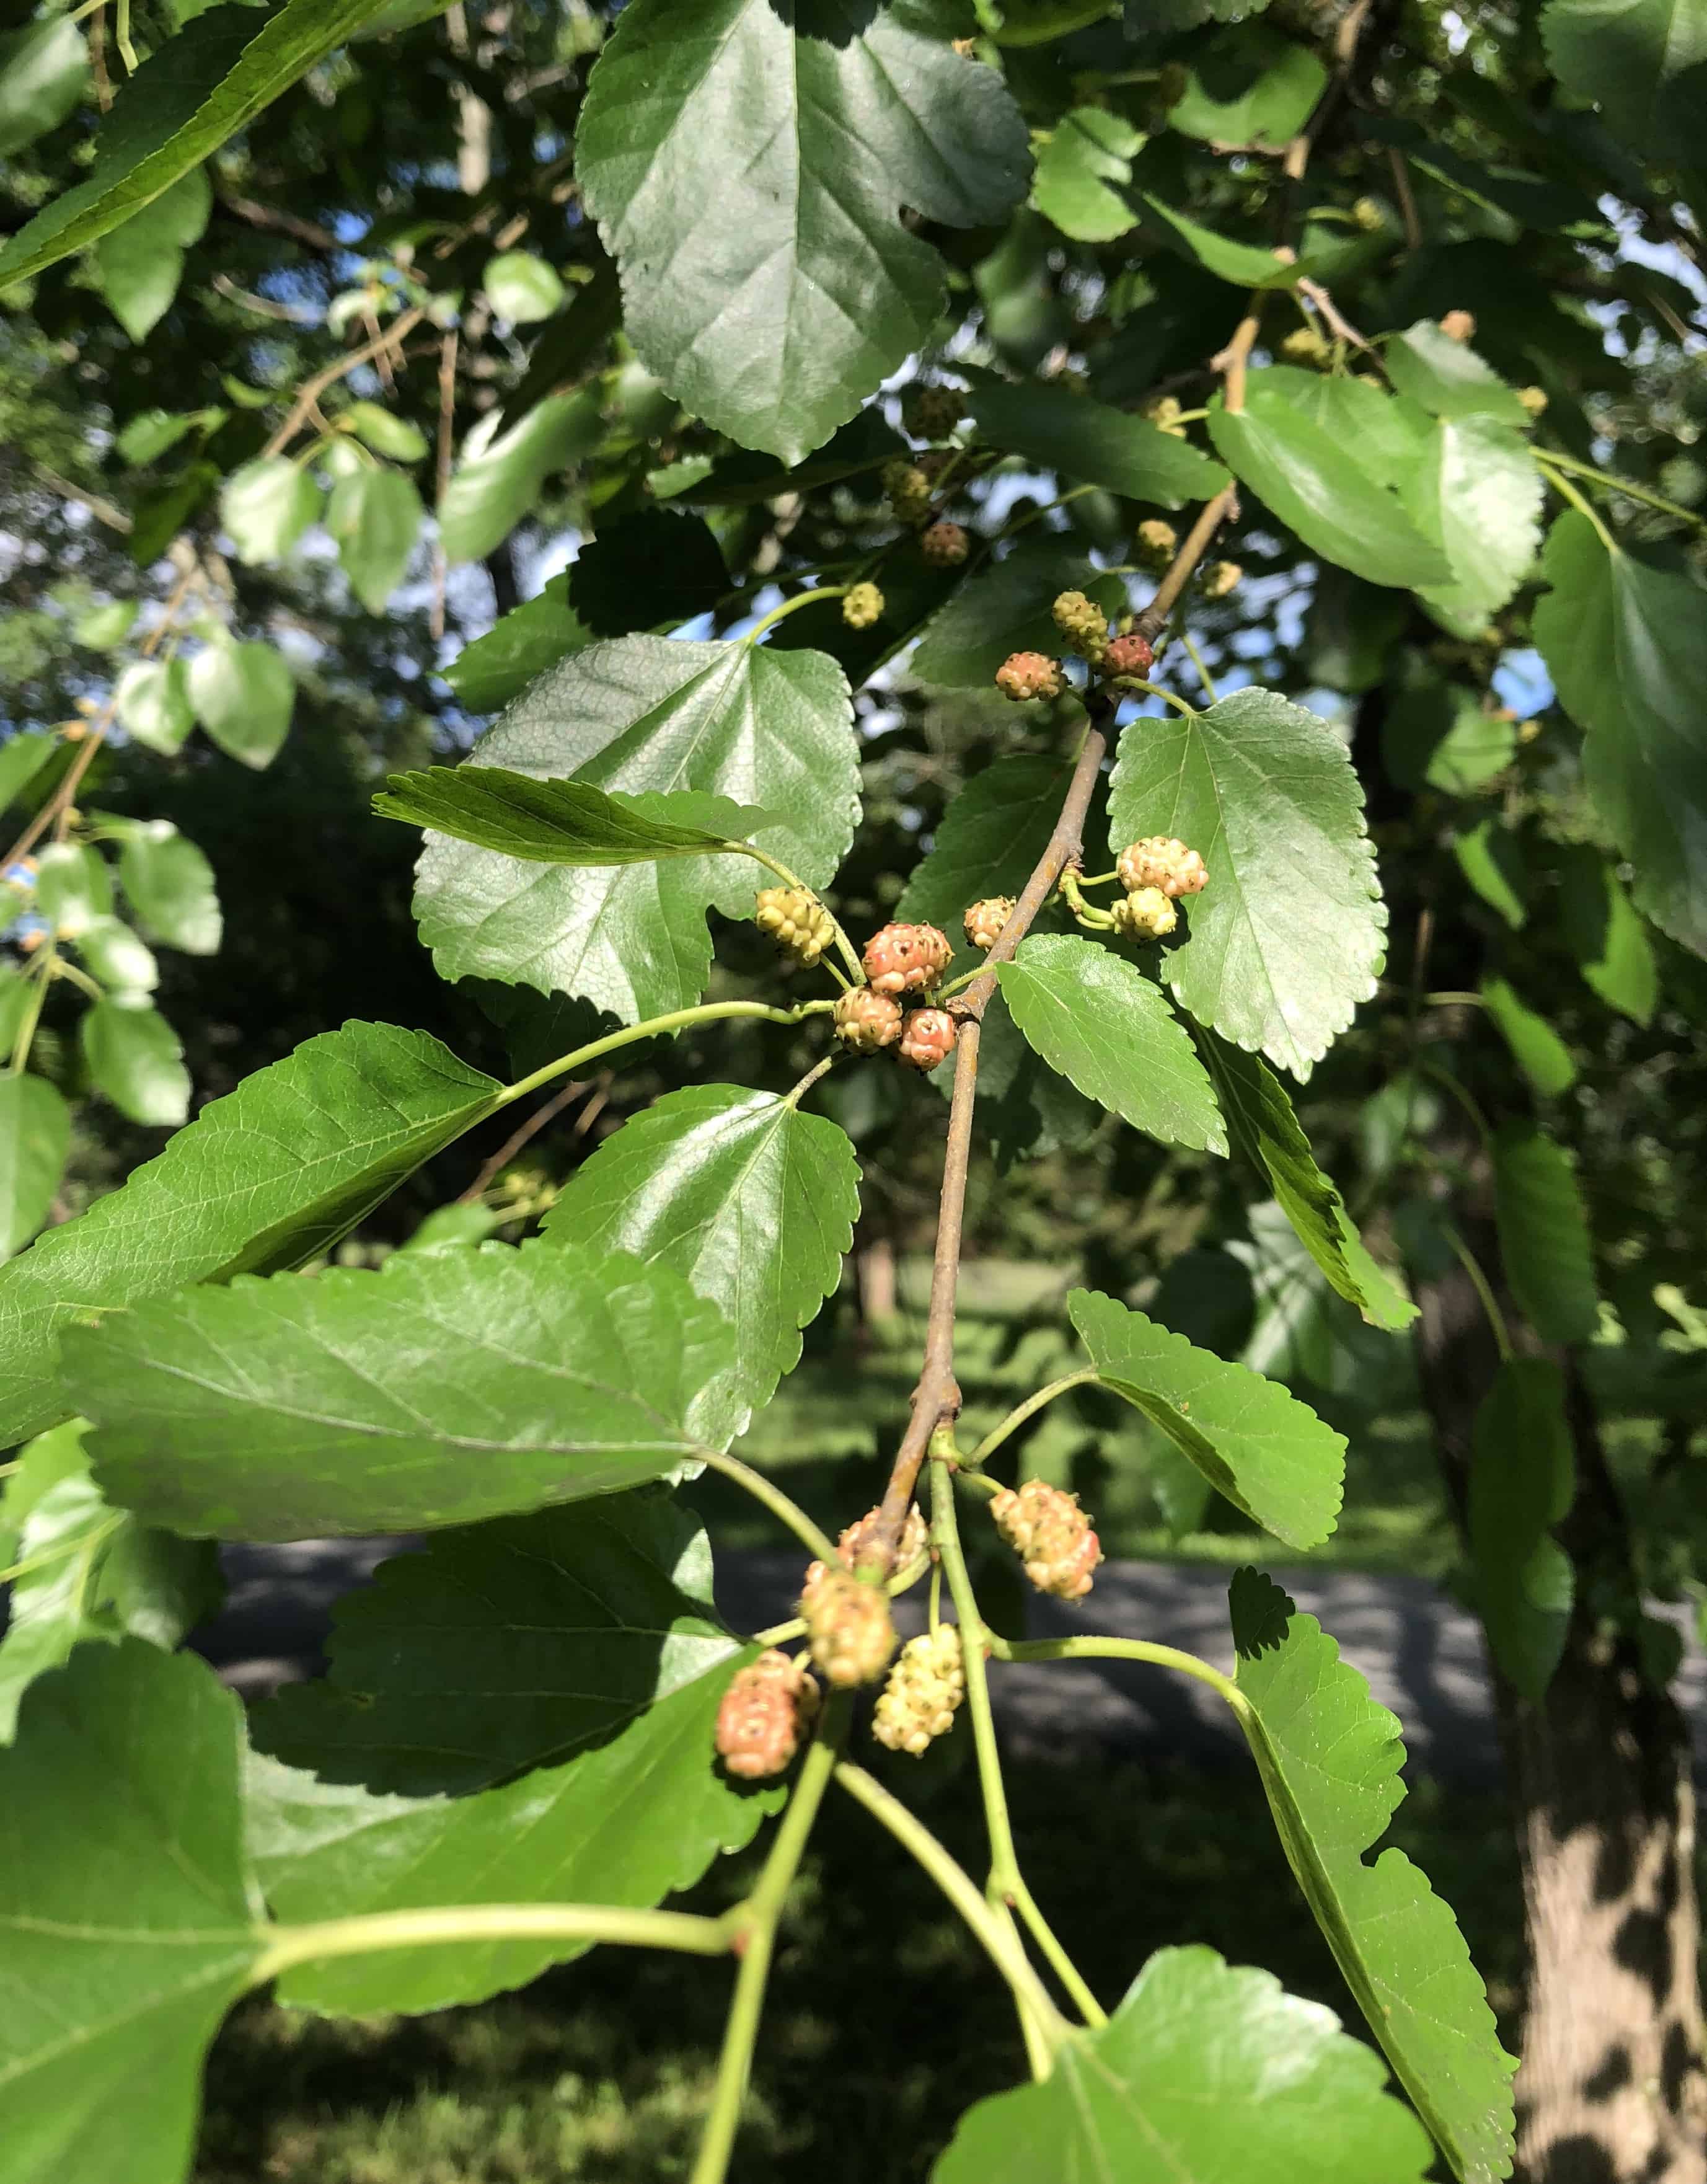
(818, 1069)
(288, 1946)
(1614, 483)
(42, 972)
(812, 598)
(1155, 690)
(849, 955)
(1562, 485)
(1484, 1292)
(785, 1510)
(705, 1012)
(1088, 1648)
(1017, 1417)
(1204, 677)
(751, 1928)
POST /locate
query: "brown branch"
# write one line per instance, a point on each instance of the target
(283, 223)
(937, 1398)
(312, 389)
(1406, 201)
(546, 1112)
(446, 417)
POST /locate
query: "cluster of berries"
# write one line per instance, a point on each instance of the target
(1085, 630)
(900, 959)
(1154, 874)
(795, 921)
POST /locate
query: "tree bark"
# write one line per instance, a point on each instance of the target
(1612, 2088)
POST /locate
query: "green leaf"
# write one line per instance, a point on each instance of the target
(1522, 1481)
(1624, 638)
(89, 1572)
(1088, 149)
(1544, 1237)
(1490, 855)
(270, 1176)
(1537, 1050)
(135, 1057)
(743, 477)
(1249, 86)
(137, 266)
(762, 727)
(1448, 378)
(1268, 1453)
(1107, 1029)
(160, 512)
(1035, 22)
(1642, 61)
(73, 887)
(1329, 1758)
(169, 885)
(565, 822)
(190, 95)
(266, 506)
(1285, 940)
(44, 68)
(1204, 2073)
(151, 434)
(751, 1201)
(384, 431)
(1084, 439)
(1262, 1124)
(567, 350)
(115, 956)
(1436, 735)
(35, 1138)
(244, 695)
(626, 1823)
(451, 1386)
(1478, 492)
(522, 287)
(151, 702)
(104, 627)
(501, 475)
(749, 177)
(1606, 936)
(654, 570)
(22, 757)
(375, 516)
(511, 1645)
(1005, 608)
(498, 666)
(1026, 1109)
(1241, 262)
(127, 1914)
(1316, 484)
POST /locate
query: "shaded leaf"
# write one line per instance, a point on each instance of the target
(1329, 1758)
(1255, 1443)
(137, 266)
(126, 1910)
(135, 1058)
(375, 516)
(1436, 735)
(1086, 439)
(22, 757)
(1285, 940)
(169, 885)
(35, 1138)
(1242, 263)
(1491, 858)
(1107, 1029)
(1624, 638)
(1004, 607)
(766, 728)
(500, 475)
(244, 695)
(450, 1386)
(1544, 1239)
(1200, 2063)
(1261, 1122)
(652, 569)
(1249, 86)
(270, 1176)
(537, 634)
(747, 168)
(1522, 1480)
(1087, 150)
(1606, 936)
(749, 1200)
(1643, 61)
(1537, 1050)
(44, 70)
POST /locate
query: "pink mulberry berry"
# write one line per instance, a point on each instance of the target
(761, 1716)
(927, 1037)
(905, 959)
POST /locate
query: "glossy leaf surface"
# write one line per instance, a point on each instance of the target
(563, 822)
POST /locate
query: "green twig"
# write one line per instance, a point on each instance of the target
(1202, 672)
(808, 598)
(1484, 1290)
(1155, 690)
(1563, 486)
(285, 1947)
(1017, 1417)
(676, 1020)
(785, 1510)
(849, 955)
(1614, 483)
(42, 970)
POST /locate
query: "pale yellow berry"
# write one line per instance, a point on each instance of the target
(1161, 861)
(1534, 399)
(984, 920)
(849, 1626)
(1221, 577)
(866, 1022)
(795, 921)
(923, 1694)
(1051, 1535)
(1145, 914)
(1082, 624)
(1458, 326)
(862, 605)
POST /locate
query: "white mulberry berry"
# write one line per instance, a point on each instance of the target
(923, 1694)
(1052, 1536)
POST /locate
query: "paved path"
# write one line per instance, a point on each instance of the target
(1421, 1653)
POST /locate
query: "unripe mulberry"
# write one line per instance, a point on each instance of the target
(932, 413)
(1161, 861)
(1164, 413)
(849, 1626)
(866, 1022)
(763, 1714)
(862, 605)
(927, 1037)
(924, 1692)
(1024, 675)
(905, 959)
(1221, 577)
(907, 489)
(795, 921)
(1367, 214)
(1145, 914)
(1130, 654)
(1083, 626)
(1533, 399)
(1458, 326)
(985, 919)
(944, 545)
(1156, 542)
(915, 1537)
(1304, 345)
(1051, 1535)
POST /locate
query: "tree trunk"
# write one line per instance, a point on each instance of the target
(1612, 2088)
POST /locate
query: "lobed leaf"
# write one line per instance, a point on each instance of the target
(449, 1387)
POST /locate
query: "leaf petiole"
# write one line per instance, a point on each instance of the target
(287, 1947)
(676, 1020)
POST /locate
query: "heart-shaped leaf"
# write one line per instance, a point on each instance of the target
(244, 695)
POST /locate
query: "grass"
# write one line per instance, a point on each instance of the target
(884, 2021)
